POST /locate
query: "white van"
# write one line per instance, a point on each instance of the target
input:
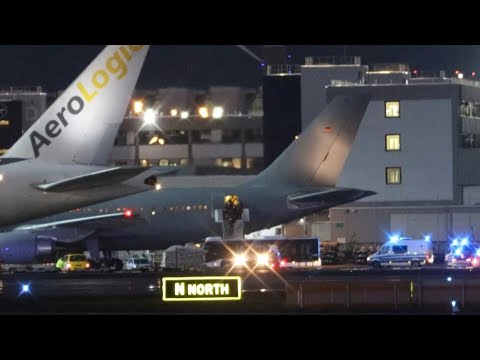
(403, 252)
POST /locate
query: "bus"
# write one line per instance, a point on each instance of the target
(272, 252)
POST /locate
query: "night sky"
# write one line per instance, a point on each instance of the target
(55, 66)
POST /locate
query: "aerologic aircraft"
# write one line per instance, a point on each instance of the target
(301, 181)
(59, 162)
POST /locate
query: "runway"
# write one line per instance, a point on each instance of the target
(336, 290)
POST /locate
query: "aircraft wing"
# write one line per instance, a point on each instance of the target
(100, 178)
(327, 197)
(97, 222)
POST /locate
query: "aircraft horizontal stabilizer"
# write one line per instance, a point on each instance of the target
(329, 197)
(100, 179)
(97, 222)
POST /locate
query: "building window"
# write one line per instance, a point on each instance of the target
(394, 175)
(121, 138)
(392, 142)
(392, 109)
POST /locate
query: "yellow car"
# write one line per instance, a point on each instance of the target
(73, 262)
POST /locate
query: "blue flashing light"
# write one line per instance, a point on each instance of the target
(427, 238)
(262, 65)
(289, 56)
(454, 303)
(458, 252)
(465, 241)
(394, 238)
(455, 242)
(478, 252)
(24, 289)
(449, 278)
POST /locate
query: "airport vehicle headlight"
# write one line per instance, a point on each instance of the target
(262, 259)
(239, 260)
(69, 265)
(368, 258)
(87, 265)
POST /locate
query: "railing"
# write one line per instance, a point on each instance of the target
(345, 83)
(464, 82)
(414, 293)
(333, 60)
(21, 89)
(283, 69)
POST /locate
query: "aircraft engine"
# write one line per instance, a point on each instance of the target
(23, 247)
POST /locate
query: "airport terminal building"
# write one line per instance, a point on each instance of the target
(417, 147)
(213, 131)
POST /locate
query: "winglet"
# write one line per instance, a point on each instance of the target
(81, 125)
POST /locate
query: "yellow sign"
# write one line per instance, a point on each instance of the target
(202, 288)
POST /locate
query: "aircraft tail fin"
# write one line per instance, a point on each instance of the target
(318, 156)
(81, 125)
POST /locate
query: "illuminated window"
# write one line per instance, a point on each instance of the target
(144, 163)
(4, 122)
(237, 163)
(394, 175)
(392, 109)
(392, 142)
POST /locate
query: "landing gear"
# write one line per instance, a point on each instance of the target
(107, 262)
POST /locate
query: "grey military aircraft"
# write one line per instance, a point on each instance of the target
(301, 181)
